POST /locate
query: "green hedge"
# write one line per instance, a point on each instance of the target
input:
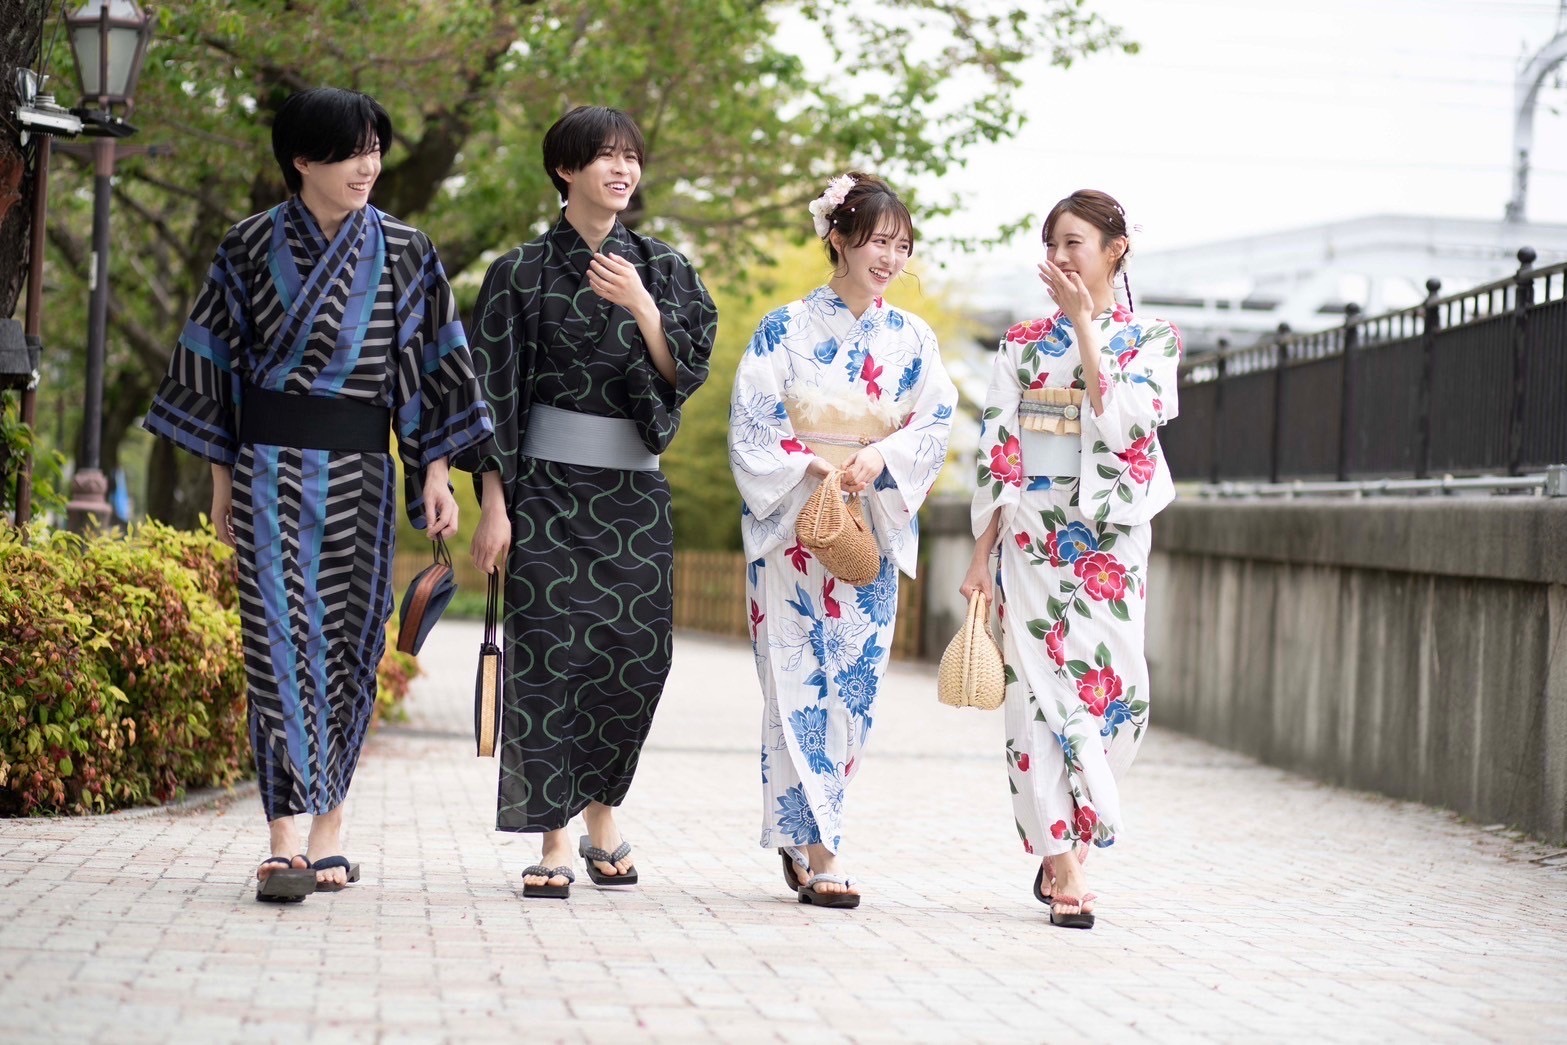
(121, 670)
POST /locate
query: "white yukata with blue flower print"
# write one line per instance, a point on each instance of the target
(822, 645)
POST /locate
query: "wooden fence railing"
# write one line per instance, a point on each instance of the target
(710, 597)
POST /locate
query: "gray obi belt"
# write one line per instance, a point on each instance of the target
(1050, 433)
(587, 440)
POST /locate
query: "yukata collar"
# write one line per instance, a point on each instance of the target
(827, 300)
(566, 239)
(1117, 311)
(309, 230)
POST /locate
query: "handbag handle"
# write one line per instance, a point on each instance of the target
(976, 622)
(492, 607)
(978, 612)
(833, 482)
(442, 555)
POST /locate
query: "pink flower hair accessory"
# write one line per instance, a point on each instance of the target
(829, 201)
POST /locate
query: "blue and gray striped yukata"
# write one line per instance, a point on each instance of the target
(366, 317)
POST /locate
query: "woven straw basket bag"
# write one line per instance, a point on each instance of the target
(836, 533)
(971, 674)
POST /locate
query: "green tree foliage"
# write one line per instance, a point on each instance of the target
(740, 134)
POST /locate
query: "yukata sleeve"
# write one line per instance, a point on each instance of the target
(1000, 474)
(768, 462)
(196, 402)
(497, 347)
(1123, 474)
(690, 326)
(914, 454)
(1137, 385)
(438, 410)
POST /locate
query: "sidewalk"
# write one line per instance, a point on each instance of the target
(1244, 904)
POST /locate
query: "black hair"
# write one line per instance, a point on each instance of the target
(862, 213)
(327, 125)
(576, 139)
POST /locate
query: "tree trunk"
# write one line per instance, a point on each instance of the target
(179, 486)
(21, 29)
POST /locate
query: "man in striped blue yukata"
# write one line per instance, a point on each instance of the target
(324, 329)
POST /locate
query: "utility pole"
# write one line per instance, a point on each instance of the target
(1526, 92)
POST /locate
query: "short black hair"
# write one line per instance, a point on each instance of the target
(327, 125)
(574, 141)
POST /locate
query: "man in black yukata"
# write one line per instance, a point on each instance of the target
(587, 341)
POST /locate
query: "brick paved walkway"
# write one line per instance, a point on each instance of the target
(1245, 904)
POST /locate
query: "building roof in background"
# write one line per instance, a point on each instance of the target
(1243, 288)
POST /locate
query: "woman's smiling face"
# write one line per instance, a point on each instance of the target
(874, 264)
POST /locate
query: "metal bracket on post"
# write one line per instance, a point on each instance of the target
(1556, 480)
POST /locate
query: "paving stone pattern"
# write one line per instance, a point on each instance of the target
(1244, 904)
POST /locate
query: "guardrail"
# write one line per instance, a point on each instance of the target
(1551, 483)
(1470, 384)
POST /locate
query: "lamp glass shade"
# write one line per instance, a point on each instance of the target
(127, 29)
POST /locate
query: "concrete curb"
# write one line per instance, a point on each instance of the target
(189, 804)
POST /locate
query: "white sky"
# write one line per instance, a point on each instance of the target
(1246, 116)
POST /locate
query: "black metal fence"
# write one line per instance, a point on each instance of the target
(1474, 383)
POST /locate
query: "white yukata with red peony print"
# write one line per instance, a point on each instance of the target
(1073, 573)
(822, 645)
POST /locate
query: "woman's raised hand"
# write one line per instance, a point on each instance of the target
(1068, 291)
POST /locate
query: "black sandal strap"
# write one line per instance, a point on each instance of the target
(328, 863)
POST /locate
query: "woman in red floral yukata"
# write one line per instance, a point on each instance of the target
(1070, 473)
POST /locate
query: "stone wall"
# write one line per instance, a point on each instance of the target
(1415, 647)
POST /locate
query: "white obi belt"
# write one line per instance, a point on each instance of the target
(1050, 432)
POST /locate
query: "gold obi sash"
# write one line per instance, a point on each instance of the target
(1052, 410)
(834, 430)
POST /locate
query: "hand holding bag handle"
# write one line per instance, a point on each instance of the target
(837, 534)
(490, 682)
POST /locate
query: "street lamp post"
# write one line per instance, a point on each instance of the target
(109, 39)
(39, 117)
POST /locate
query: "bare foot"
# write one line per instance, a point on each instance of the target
(285, 846)
(825, 861)
(270, 864)
(603, 834)
(557, 853)
(1070, 881)
(326, 832)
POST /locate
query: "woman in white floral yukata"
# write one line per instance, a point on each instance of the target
(839, 375)
(1070, 473)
